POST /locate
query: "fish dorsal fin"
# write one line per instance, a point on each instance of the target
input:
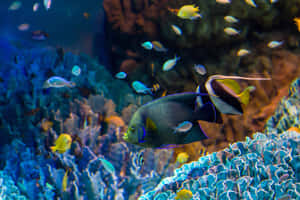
(230, 84)
(187, 98)
(150, 125)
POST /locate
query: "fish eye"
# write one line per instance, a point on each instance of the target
(132, 128)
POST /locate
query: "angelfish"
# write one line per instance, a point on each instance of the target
(152, 125)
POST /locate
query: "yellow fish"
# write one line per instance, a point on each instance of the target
(65, 181)
(297, 22)
(184, 194)
(243, 52)
(189, 12)
(231, 31)
(62, 144)
(182, 157)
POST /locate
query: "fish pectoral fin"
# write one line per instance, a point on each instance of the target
(195, 134)
(150, 125)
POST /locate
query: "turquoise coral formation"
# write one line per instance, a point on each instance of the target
(264, 167)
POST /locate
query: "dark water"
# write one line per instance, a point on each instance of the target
(64, 22)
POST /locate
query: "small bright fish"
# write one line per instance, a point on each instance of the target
(182, 157)
(108, 166)
(65, 181)
(23, 27)
(46, 125)
(86, 15)
(62, 143)
(57, 82)
(157, 46)
(176, 29)
(39, 35)
(231, 19)
(147, 45)
(297, 22)
(141, 88)
(47, 4)
(189, 12)
(35, 7)
(76, 70)
(16, 5)
(243, 52)
(200, 69)
(169, 64)
(223, 1)
(184, 194)
(273, 1)
(275, 44)
(121, 75)
(183, 127)
(251, 3)
(49, 186)
(231, 31)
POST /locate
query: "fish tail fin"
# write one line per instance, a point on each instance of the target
(195, 134)
(245, 95)
(53, 149)
(46, 85)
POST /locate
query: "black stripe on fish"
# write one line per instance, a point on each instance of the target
(225, 96)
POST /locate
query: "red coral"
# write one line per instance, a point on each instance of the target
(133, 17)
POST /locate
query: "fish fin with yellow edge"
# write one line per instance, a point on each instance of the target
(65, 181)
(231, 84)
(245, 95)
(150, 125)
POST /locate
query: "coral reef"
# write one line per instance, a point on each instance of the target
(265, 167)
(8, 189)
(33, 117)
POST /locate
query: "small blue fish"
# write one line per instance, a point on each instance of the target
(231, 31)
(176, 29)
(231, 19)
(183, 127)
(200, 69)
(121, 75)
(108, 166)
(58, 82)
(76, 70)
(47, 4)
(141, 88)
(147, 45)
(169, 64)
(275, 44)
